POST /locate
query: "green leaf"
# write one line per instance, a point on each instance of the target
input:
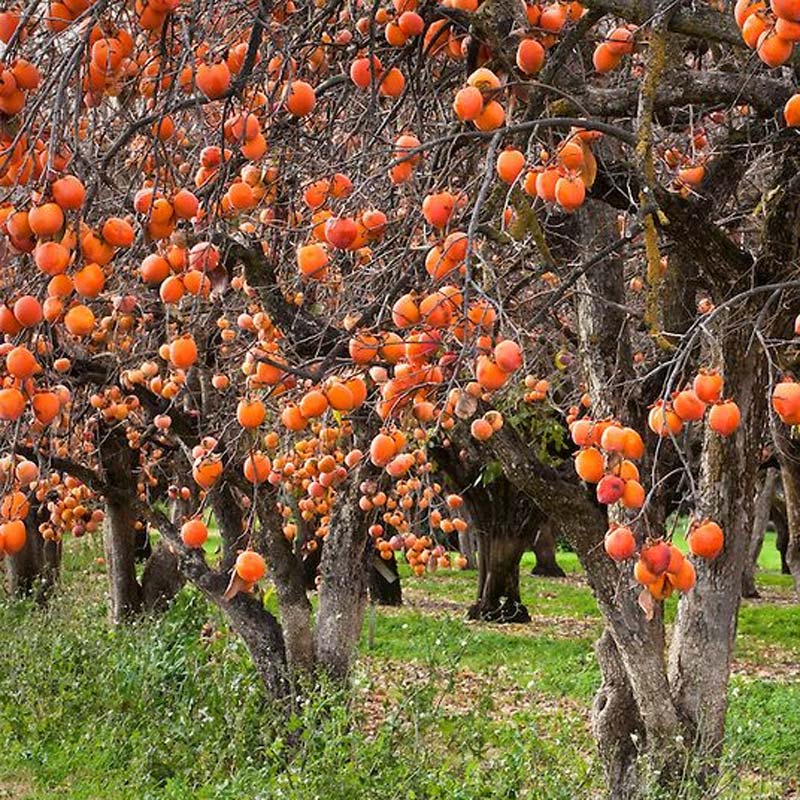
(491, 472)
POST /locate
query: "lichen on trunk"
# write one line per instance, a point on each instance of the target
(705, 628)
(344, 572)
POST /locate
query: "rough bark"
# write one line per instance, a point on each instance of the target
(505, 525)
(384, 582)
(161, 579)
(544, 546)
(228, 514)
(631, 650)
(504, 522)
(761, 515)
(639, 641)
(124, 592)
(262, 635)
(702, 645)
(344, 571)
(616, 723)
(119, 536)
(34, 570)
(604, 343)
(287, 575)
(500, 550)
(468, 547)
(245, 613)
(790, 472)
(778, 519)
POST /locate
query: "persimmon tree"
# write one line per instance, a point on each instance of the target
(263, 261)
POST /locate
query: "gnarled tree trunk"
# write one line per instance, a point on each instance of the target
(34, 570)
(344, 572)
(468, 547)
(161, 579)
(616, 723)
(504, 522)
(705, 628)
(500, 549)
(124, 592)
(290, 585)
(761, 515)
(544, 546)
(119, 532)
(789, 454)
(778, 519)
(384, 581)
(125, 539)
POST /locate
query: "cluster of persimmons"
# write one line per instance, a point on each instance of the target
(606, 458)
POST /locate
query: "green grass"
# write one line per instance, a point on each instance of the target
(559, 667)
(168, 709)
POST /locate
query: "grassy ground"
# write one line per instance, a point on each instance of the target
(170, 709)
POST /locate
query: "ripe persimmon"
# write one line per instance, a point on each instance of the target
(46, 220)
(12, 404)
(69, 192)
(530, 56)
(257, 467)
(468, 103)
(183, 352)
(194, 533)
(510, 164)
(250, 414)
(620, 543)
(706, 540)
(20, 362)
(724, 417)
(313, 404)
(301, 98)
(28, 311)
(570, 192)
(250, 566)
(312, 261)
(213, 80)
(589, 465)
(688, 406)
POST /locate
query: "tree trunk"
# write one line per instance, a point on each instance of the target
(119, 537)
(245, 612)
(287, 575)
(778, 519)
(229, 517)
(344, 572)
(761, 514)
(384, 581)
(124, 592)
(544, 545)
(790, 471)
(34, 570)
(468, 547)
(307, 555)
(616, 724)
(705, 629)
(161, 579)
(503, 520)
(500, 550)
(639, 641)
(262, 635)
(634, 695)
